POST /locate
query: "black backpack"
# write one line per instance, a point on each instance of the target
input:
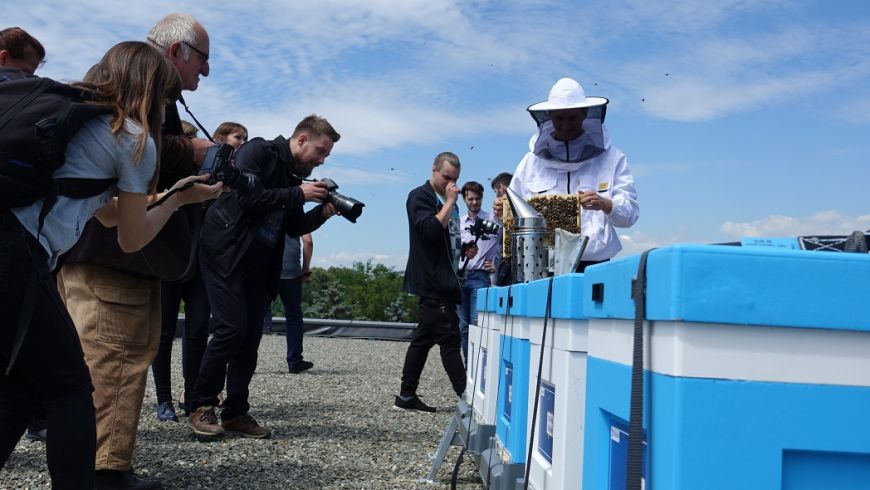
(38, 117)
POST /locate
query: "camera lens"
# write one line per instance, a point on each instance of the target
(348, 207)
(488, 227)
(237, 180)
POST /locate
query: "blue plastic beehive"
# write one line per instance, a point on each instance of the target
(757, 371)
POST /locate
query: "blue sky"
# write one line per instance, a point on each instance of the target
(739, 117)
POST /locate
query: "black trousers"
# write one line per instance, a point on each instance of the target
(237, 305)
(196, 318)
(290, 291)
(439, 324)
(50, 368)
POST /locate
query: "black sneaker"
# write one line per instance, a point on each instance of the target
(300, 366)
(35, 433)
(413, 404)
(113, 479)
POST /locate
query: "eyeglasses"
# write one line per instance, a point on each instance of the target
(203, 57)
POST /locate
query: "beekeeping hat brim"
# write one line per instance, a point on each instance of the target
(567, 94)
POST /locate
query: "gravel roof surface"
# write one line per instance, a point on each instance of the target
(332, 427)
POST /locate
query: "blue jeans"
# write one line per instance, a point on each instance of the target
(474, 280)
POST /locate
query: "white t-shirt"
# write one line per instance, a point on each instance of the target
(95, 153)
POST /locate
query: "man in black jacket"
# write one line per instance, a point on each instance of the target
(431, 274)
(240, 257)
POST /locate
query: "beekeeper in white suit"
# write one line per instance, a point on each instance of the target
(571, 153)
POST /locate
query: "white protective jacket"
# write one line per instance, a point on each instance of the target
(547, 169)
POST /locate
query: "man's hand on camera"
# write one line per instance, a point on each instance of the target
(200, 146)
(314, 191)
(329, 210)
(471, 252)
(198, 190)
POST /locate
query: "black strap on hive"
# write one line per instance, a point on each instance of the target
(538, 384)
(634, 463)
(492, 439)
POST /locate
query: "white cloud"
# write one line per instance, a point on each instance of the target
(681, 16)
(635, 242)
(390, 74)
(712, 75)
(347, 259)
(418, 71)
(856, 111)
(698, 99)
(821, 223)
(372, 116)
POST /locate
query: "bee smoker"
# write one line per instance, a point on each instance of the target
(528, 241)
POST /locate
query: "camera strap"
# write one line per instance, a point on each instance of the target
(189, 184)
(204, 131)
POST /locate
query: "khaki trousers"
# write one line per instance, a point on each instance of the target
(117, 316)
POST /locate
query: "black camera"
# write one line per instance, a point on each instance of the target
(218, 165)
(481, 229)
(348, 207)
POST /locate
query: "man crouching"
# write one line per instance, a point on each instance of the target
(240, 257)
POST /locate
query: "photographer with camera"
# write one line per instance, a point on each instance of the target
(241, 250)
(480, 240)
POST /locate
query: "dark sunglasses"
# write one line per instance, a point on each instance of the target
(203, 57)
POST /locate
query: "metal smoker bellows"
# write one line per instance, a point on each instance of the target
(528, 246)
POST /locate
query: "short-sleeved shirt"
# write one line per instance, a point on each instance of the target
(94, 153)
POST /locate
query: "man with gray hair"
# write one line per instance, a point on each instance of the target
(185, 42)
(114, 297)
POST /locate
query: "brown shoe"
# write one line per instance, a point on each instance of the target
(204, 424)
(245, 426)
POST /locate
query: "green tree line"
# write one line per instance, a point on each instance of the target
(364, 291)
